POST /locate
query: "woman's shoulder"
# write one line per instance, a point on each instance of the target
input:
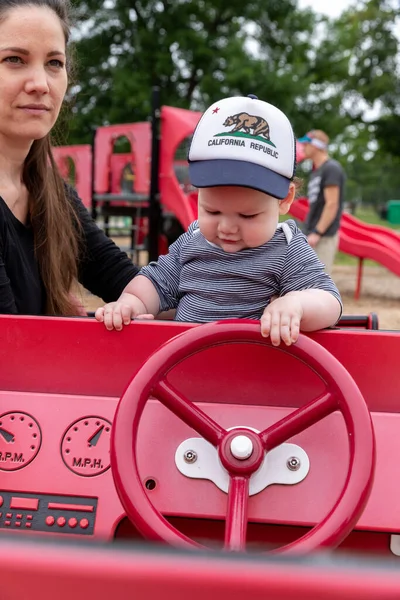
(5, 217)
(80, 211)
(2, 224)
(72, 195)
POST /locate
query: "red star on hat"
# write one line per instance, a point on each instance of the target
(215, 110)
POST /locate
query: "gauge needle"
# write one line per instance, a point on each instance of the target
(9, 437)
(92, 441)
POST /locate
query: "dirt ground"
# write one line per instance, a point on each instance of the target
(380, 293)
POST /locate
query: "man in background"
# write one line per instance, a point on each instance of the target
(326, 197)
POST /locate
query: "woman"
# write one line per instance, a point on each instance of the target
(48, 241)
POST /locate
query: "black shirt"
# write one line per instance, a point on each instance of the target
(104, 269)
(329, 173)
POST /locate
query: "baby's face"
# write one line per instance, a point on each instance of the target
(235, 218)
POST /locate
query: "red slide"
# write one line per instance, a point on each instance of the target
(177, 125)
(362, 240)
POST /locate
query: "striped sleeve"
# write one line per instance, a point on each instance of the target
(165, 273)
(303, 270)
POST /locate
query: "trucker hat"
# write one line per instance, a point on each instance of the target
(243, 141)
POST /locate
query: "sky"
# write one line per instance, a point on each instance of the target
(331, 8)
(334, 8)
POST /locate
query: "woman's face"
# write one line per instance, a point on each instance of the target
(33, 76)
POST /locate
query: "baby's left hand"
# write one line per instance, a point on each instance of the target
(281, 320)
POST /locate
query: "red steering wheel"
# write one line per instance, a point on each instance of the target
(341, 394)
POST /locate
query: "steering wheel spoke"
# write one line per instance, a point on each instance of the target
(188, 412)
(299, 420)
(236, 517)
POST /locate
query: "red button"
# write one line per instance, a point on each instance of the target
(19, 516)
(50, 521)
(73, 522)
(61, 521)
(28, 525)
(29, 517)
(18, 524)
(84, 523)
(9, 515)
(8, 523)
(24, 503)
(1, 500)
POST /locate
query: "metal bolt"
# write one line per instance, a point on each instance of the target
(190, 456)
(293, 463)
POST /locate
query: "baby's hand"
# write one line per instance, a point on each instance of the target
(281, 320)
(117, 314)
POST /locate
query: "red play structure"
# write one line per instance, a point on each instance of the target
(149, 185)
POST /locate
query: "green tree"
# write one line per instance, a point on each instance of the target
(196, 51)
(327, 74)
(357, 63)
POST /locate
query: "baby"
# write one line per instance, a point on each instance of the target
(236, 260)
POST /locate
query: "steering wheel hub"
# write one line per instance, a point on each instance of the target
(241, 447)
(241, 451)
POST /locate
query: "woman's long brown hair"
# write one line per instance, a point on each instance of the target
(55, 225)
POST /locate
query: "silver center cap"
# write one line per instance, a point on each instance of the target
(241, 447)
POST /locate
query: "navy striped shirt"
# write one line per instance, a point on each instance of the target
(205, 283)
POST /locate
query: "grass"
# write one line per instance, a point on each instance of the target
(346, 259)
(369, 215)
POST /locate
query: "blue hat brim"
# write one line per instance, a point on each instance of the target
(220, 172)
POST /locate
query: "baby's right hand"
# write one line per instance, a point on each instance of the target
(117, 314)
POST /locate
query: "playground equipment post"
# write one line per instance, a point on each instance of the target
(154, 199)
